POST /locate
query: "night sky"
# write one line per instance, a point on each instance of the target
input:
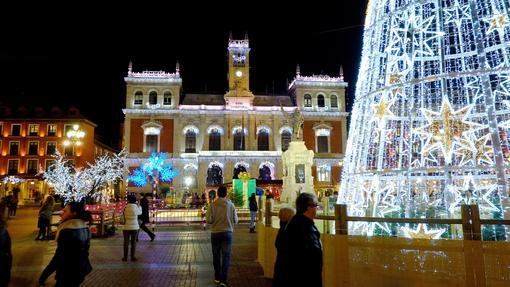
(79, 57)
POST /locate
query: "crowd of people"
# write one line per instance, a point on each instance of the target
(298, 245)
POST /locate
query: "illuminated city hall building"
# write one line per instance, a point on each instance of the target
(210, 138)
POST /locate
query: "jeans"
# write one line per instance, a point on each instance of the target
(253, 215)
(221, 248)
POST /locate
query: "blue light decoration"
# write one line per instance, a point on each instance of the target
(154, 168)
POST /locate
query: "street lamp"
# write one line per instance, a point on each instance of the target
(74, 136)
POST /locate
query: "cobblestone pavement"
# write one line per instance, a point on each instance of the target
(179, 256)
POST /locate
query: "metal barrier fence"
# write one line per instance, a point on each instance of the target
(161, 217)
(470, 220)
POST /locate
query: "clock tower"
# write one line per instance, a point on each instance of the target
(239, 95)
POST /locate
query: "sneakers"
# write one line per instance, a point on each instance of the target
(217, 282)
(152, 237)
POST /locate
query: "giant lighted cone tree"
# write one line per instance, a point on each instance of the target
(430, 123)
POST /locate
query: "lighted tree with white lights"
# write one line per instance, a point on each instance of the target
(430, 122)
(75, 184)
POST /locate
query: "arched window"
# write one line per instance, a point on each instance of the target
(308, 101)
(138, 98)
(240, 168)
(320, 101)
(215, 140)
(286, 137)
(263, 140)
(191, 140)
(153, 98)
(239, 140)
(214, 175)
(167, 99)
(265, 173)
(334, 102)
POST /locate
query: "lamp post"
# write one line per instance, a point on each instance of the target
(73, 139)
(74, 136)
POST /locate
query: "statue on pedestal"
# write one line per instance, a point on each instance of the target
(297, 123)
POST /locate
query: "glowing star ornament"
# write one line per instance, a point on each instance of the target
(422, 232)
(446, 128)
(498, 22)
(381, 111)
(476, 151)
(457, 14)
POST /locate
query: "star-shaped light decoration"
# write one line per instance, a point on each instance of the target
(476, 151)
(503, 89)
(382, 110)
(395, 79)
(506, 124)
(446, 128)
(422, 232)
(456, 13)
(497, 22)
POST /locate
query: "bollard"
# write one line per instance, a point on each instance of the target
(269, 208)
(341, 219)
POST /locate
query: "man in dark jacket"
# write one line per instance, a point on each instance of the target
(5, 249)
(253, 212)
(304, 245)
(144, 217)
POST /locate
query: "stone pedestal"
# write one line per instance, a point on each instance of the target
(297, 172)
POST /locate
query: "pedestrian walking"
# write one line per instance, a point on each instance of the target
(5, 248)
(222, 216)
(14, 202)
(131, 227)
(44, 221)
(144, 217)
(281, 264)
(71, 260)
(304, 253)
(253, 212)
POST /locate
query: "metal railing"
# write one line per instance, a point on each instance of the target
(470, 220)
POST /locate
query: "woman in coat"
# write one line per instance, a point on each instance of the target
(45, 214)
(71, 260)
(131, 226)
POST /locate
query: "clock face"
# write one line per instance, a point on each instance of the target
(239, 73)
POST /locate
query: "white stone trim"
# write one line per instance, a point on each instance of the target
(215, 126)
(191, 127)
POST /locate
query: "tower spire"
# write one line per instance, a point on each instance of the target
(230, 35)
(341, 75)
(130, 67)
(246, 35)
(177, 67)
(298, 70)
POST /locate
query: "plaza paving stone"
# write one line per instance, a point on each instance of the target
(179, 256)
